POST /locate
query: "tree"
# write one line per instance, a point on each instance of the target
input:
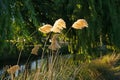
(21, 18)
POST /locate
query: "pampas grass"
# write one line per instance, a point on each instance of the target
(57, 67)
(80, 24)
(35, 50)
(54, 43)
(58, 26)
(64, 68)
(12, 70)
(46, 28)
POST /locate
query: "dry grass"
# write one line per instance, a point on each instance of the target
(12, 70)
(80, 24)
(65, 68)
(57, 67)
(35, 50)
(58, 26)
(46, 28)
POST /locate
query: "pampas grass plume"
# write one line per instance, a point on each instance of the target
(46, 28)
(13, 69)
(58, 26)
(54, 43)
(80, 24)
(35, 50)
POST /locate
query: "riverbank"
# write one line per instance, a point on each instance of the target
(65, 68)
(13, 59)
(62, 67)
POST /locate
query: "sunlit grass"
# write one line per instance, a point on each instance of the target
(65, 68)
(59, 67)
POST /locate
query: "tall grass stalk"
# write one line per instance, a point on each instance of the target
(64, 68)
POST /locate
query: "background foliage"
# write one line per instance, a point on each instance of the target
(20, 20)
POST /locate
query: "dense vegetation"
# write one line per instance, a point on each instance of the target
(20, 20)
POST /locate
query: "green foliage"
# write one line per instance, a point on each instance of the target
(5, 25)
(21, 19)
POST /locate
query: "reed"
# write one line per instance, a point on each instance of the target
(65, 68)
(12, 70)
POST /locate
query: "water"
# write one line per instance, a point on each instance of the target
(33, 65)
